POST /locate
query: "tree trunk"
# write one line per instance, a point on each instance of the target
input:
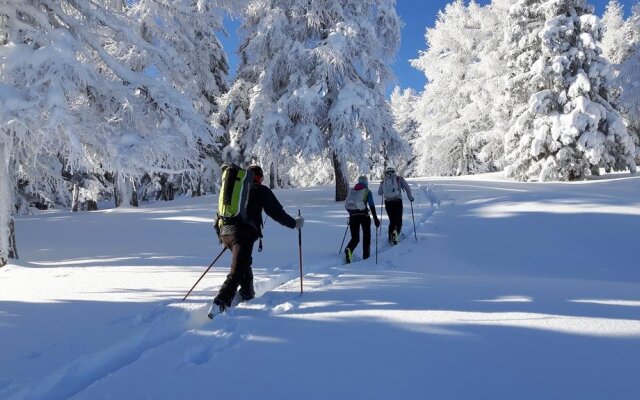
(134, 194)
(116, 191)
(92, 205)
(8, 247)
(342, 184)
(74, 202)
(13, 248)
(125, 192)
(168, 192)
(272, 176)
(465, 158)
(198, 191)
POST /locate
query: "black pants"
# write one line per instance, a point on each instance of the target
(355, 223)
(394, 211)
(240, 274)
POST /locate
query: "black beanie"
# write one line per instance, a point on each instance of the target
(257, 171)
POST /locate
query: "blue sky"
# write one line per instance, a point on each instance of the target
(417, 15)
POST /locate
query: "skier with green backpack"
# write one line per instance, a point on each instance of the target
(239, 224)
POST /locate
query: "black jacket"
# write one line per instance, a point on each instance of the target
(260, 198)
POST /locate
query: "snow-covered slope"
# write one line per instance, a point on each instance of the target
(511, 290)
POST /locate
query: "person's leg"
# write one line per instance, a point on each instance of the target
(395, 215)
(390, 206)
(354, 227)
(400, 211)
(399, 217)
(246, 286)
(366, 237)
(241, 249)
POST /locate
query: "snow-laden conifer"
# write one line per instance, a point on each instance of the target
(458, 110)
(81, 90)
(628, 83)
(563, 126)
(310, 89)
(403, 104)
(621, 44)
(617, 35)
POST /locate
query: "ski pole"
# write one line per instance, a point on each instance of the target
(381, 212)
(344, 237)
(300, 252)
(377, 245)
(414, 221)
(205, 272)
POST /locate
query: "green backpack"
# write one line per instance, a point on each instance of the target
(234, 194)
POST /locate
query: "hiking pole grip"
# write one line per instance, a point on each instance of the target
(300, 252)
(205, 272)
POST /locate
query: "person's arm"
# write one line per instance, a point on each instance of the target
(372, 208)
(274, 209)
(405, 186)
(381, 187)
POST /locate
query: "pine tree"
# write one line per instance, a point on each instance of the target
(629, 98)
(617, 36)
(563, 125)
(82, 92)
(186, 31)
(622, 37)
(403, 103)
(311, 86)
(457, 110)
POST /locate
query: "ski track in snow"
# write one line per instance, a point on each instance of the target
(164, 325)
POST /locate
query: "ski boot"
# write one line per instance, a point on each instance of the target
(216, 309)
(393, 239)
(246, 295)
(348, 256)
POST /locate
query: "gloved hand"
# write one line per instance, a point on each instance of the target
(216, 227)
(299, 222)
(411, 199)
(376, 222)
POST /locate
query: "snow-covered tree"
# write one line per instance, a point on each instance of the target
(617, 36)
(620, 43)
(311, 82)
(185, 30)
(457, 111)
(564, 127)
(403, 103)
(628, 84)
(80, 90)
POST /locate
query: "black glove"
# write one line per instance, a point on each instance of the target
(216, 227)
(376, 221)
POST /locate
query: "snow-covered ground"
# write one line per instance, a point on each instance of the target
(511, 291)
